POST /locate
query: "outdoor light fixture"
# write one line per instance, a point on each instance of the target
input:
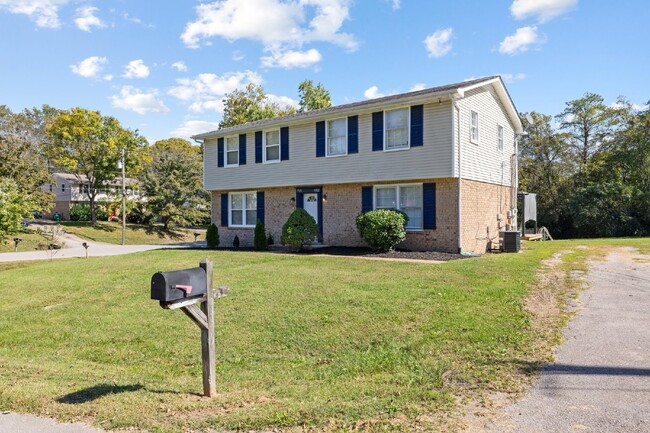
(324, 198)
(293, 200)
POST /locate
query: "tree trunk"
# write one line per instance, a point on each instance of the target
(93, 214)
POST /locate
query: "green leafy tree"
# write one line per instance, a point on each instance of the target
(249, 105)
(14, 205)
(172, 180)
(90, 146)
(299, 230)
(313, 97)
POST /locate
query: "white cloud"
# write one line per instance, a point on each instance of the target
(193, 127)
(180, 66)
(238, 55)
(292, 59)
(396, 4)
(635, 107)
(136, 69)
(542, 10)
(418, 86)
(86, 18)
(373, 92)
(89, 67)
(521, 41)
(275, 23)
(511, 78)
(207, 90)
(44, 12)
(108, 77)
(282, 101)
(438, 44)
(133, 99)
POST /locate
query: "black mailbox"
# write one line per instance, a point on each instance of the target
(178, 285)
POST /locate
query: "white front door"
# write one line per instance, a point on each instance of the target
(310, 204)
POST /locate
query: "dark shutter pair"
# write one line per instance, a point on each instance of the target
(284, 145)
(353, 136)
(428, 204)
(417, 128)
(225, 208)
(221, 151)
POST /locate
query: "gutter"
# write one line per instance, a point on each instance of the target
(455, 115)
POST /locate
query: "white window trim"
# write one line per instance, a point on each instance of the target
(327, 138)
(275, 161)
(408, 129)
(500, 138)
(225, 151)
(397, 197)
(243, 194)
(478, 127)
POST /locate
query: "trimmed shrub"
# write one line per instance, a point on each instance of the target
(79, 213)
(212, 236)
(260, 243)
(270, 240)
(235, 242)
(382, 229)
(299, 230)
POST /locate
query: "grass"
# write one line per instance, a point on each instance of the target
(327, 343)
(111, 232)
(30, 241)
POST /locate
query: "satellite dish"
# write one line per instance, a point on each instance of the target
(530, 119)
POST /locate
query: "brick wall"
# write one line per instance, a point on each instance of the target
(484, 208)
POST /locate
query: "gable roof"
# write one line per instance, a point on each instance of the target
(457, 89)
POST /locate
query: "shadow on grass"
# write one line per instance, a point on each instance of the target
(95, 392)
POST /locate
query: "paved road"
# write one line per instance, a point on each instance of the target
(600, 381)
(14, 423)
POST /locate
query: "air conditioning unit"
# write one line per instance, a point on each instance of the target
(510, 241)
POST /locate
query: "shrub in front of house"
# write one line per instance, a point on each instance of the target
(299, 230)
(212, 236)
(235, 242)
(260, 242)
(382, 229)
(80, 212)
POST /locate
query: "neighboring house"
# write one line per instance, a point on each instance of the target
(446, 156)
(70, 190)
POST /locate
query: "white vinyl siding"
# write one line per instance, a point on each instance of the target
(396, 129)
(406, 198)
(337, 137)
(231, 151)
(272, 146)
(474, 133)
(242, 209)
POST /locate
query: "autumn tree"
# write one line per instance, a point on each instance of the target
(249, 105)
(172, 181)
(90, 146)
(313, 97)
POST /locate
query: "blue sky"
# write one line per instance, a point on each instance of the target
(164, 67)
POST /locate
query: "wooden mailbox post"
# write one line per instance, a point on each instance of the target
(204, 318)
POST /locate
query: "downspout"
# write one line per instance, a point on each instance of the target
(456, 140)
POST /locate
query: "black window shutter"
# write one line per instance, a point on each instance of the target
(258, 147)
(378, 131)
(366, 198)
(260, 206)
(429, 205)
(417, 125)
(220, 152)
(224, 209)
(300, 200)
(284, 143)
(353, 134)
(320, 139)
(242, 149)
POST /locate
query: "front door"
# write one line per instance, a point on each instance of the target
(310, 204)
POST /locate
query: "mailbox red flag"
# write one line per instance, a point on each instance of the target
(186, 289)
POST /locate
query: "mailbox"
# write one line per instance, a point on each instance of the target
(178, 285)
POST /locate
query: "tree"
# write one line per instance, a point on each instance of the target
(21, 153)
(14, 205)
(313, 97)
(172, 181)
(249, 105)
(90, 146)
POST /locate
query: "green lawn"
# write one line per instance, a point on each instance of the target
(111, 232)
(318, 342)
(30, 241)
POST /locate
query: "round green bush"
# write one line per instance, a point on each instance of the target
(382, 229)
(299, 230)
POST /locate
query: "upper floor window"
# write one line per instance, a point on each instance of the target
(232, 151)
(63, 187)
(272, 146)
(243, 209)
(474, 127)
(50, 187)
(337, 137)
(500, 138)
(407, 198)
(397, 129)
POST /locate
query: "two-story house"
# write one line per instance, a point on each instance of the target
(446, 156)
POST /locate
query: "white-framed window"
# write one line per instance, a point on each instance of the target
(473, 128)
(231, 151)
(242, 209)
(407, 198)
(272, 146)
(337, 137)
(396, 129)
(500, 138)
